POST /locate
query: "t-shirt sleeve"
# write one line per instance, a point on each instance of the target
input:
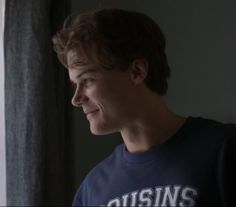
(77, 201)
(80, 196)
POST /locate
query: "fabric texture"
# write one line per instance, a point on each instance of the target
(195, 167)
(34, 103)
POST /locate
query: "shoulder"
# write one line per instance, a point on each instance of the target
(211, 129)
(97, 177)
(205, 137)
(107, 164)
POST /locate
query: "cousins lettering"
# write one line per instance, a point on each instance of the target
(158, 196)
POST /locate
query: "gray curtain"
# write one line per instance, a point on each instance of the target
(35, 104)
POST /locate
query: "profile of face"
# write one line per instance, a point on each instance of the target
(107, 97)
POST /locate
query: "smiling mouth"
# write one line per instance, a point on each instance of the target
(91, 112)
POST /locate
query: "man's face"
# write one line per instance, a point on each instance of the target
(105, 96)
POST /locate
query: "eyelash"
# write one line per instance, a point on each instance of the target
(83, 82)
(86, 81)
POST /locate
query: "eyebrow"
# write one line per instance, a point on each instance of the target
(84, 72)
(87, 71)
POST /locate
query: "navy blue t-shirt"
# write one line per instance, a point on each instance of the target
(195, 167)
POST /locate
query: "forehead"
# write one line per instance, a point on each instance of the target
(78, 66)
(73, 59)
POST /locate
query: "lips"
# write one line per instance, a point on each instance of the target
(90, 111)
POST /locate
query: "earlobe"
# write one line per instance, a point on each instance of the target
(139, 70)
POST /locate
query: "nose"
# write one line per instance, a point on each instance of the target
(79, 98)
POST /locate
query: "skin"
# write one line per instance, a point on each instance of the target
(118, 101)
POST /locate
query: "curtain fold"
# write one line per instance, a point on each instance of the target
(35, 104)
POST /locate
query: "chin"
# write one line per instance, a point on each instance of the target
(101, 130)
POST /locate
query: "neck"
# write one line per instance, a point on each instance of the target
(151, 128)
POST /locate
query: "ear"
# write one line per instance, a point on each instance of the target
(139, 70)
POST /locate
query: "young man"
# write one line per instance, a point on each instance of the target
(117, 61)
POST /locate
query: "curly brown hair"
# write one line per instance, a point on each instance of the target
(115, 38)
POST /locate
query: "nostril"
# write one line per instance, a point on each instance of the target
(78, 100)
(72, 102)
(75, 102)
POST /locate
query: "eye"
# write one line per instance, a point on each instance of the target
(87, 81)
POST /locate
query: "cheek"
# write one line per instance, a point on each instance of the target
(110, 96)
(100, 92)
